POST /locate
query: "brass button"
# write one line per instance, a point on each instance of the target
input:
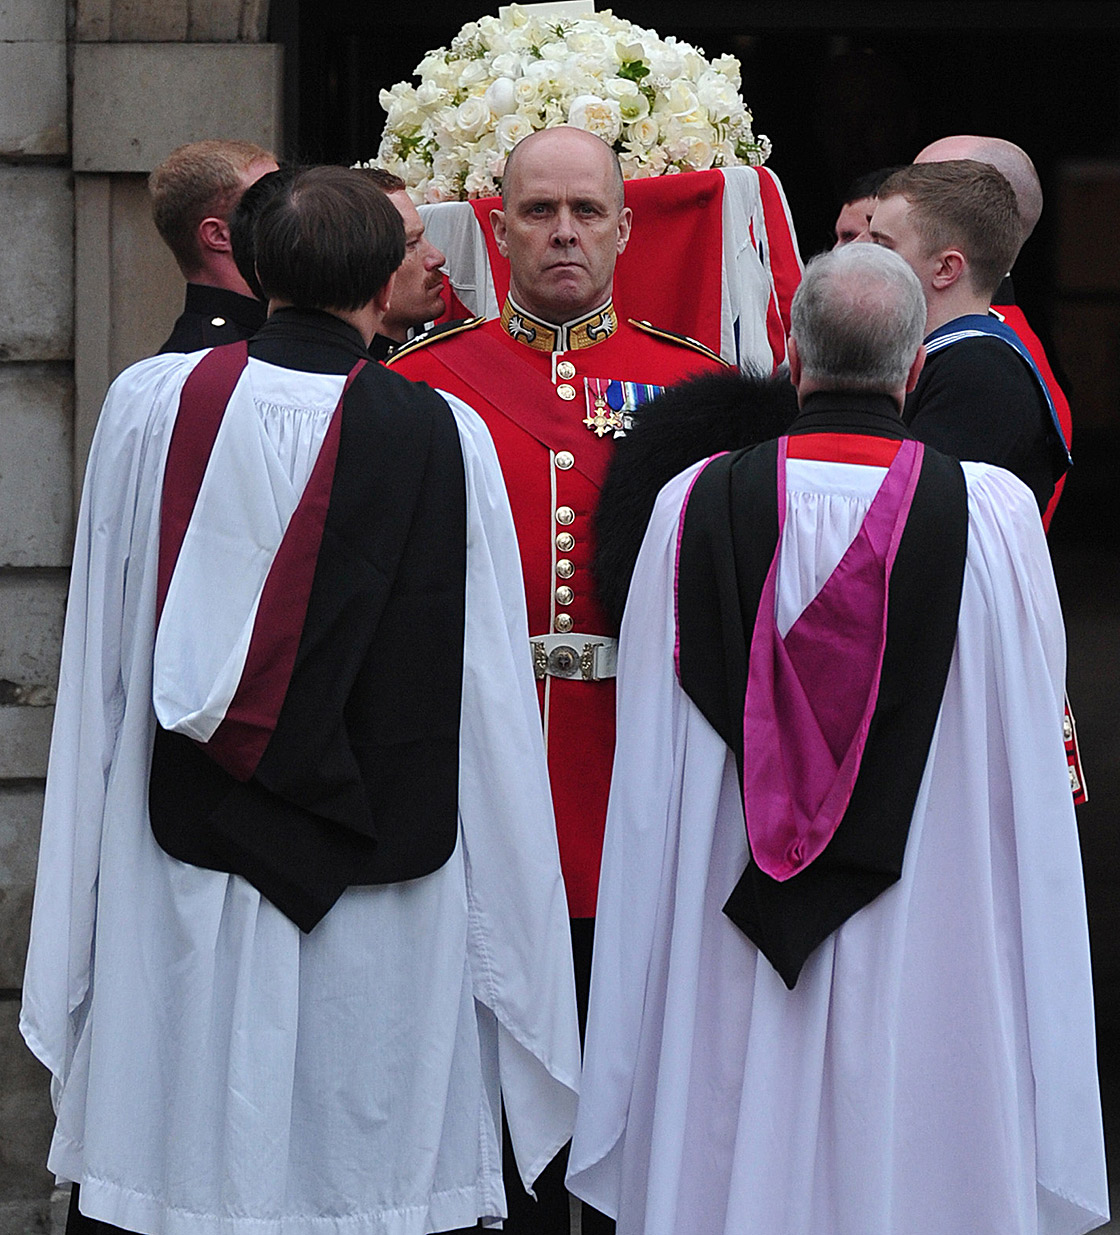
(564, 595)
(565, 542)
(566, 392)
(564, 622)
(565, 515)
(565, 370)
(564, 460)
(564, 568)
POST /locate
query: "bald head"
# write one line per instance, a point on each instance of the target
(562, 224)
(558, 146)
(1005, 157)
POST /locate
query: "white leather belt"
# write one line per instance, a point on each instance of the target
(587, 658)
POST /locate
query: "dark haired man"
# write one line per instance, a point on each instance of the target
(980, 395)
(859, 205)
(299, 931)
(418, 291)
(194, 192)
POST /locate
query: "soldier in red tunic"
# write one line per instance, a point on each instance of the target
(556, 377)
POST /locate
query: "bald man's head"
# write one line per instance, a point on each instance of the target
(1005, 157)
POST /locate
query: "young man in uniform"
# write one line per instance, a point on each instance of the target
(194, 191)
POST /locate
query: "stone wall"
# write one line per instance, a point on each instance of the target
(93, 93)
(36, 515)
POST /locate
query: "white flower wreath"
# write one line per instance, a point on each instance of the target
(659, 102)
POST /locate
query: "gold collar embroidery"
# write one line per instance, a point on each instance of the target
(580, 332)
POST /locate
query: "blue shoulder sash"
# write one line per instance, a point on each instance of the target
(974, 326)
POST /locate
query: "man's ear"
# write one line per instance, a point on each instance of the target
(794, 358)
(915, 368)
(625, 219)
(498, 223)
(948, 266)
(384, 297)
(213, 234)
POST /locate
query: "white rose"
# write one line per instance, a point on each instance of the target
(644, 132)
(698, 153)
(501, 97)
(472, 117)
(473, 73)
(445, 127)
(446, 164)
(679, 100)
(526, 91)
(599, 116)
(511, 129)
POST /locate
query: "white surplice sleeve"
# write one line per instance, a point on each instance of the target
(519, 943)
(631, 924)
(1010, 564)
(108, 620)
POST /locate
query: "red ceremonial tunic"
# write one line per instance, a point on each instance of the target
(553, 480)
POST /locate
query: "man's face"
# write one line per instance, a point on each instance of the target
(417, 292)
(562, 227)
(893, 227)
(852, 221)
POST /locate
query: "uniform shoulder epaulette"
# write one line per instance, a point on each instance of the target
(673, 337)
(442, 331)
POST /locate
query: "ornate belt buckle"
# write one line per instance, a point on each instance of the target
(587, 661)
(562, 661)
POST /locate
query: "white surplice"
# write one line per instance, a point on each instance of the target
(214, 1070)
(933, 1072)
